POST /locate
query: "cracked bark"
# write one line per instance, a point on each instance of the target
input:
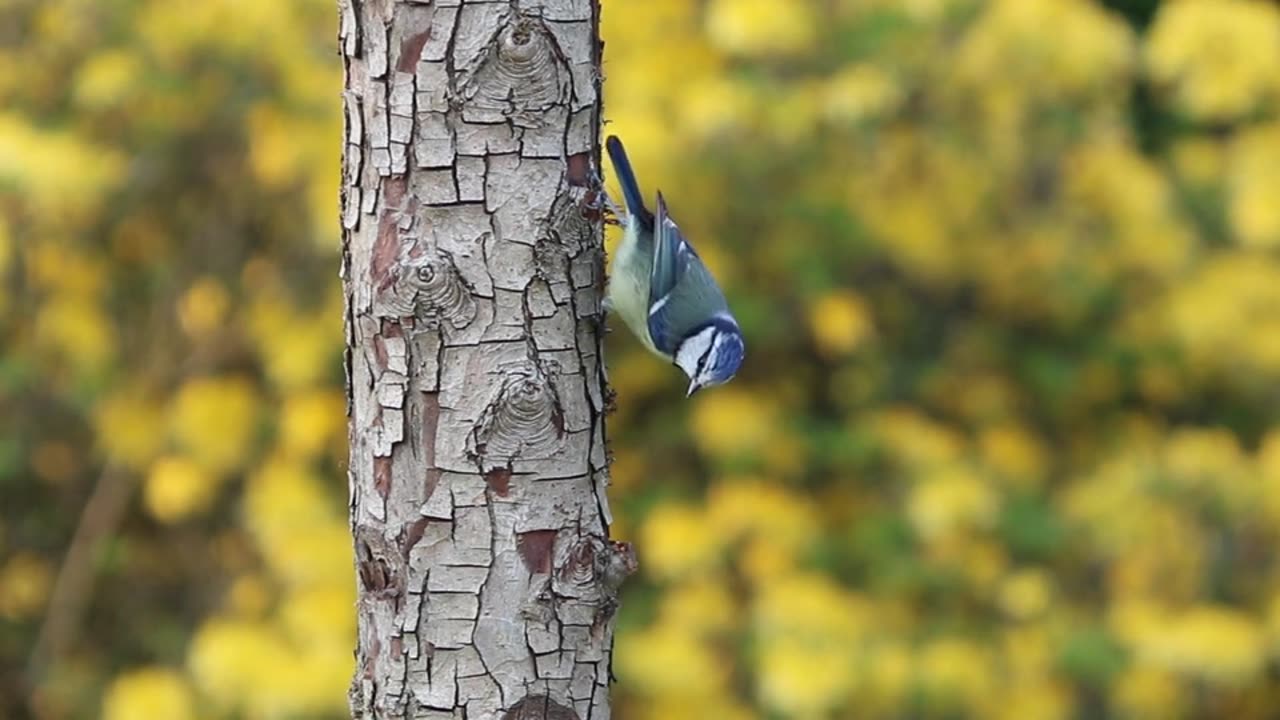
(473, 271)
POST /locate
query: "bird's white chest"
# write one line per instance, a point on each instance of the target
(629, 287)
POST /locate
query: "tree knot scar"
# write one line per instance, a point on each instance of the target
(540, 707)
(525, 421)
(378, 565)
(521, 74)
(428, 287)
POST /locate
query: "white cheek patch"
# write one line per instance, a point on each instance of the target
(692, 350)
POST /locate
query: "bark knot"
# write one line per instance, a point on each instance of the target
(427, 286)
(520, 75)
(526, 419)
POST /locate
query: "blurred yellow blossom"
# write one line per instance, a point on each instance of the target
(677, 540)
(149, 693)
(1013, 453)
(313, 421)
(858, 92)
(732, 421)
(915, 439)
(228, 658)
(667, 660)
(760, 27)
(321, 616)
(78, 330)
(1143, 691)
(294, 525)
(203, 307)
(214, 419)
(809, 633)
(248, 597)
(1025, 594)
(840, 321)
(176, 488)
(25, 581)
(1088, 48)
(700, 605)
(1212, 643)
(1254, 184)
(950, 500)
(955, 673)
(1219, 57)
(130, 427)
(61, 175)
(107, 79)
(740, 505)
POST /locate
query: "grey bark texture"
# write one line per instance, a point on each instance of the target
(473, 271)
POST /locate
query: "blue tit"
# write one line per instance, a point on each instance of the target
(664, 292)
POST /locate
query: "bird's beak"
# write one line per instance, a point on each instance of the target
(693, 388)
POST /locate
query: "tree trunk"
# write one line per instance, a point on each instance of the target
(473, 270)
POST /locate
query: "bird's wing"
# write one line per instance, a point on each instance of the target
(682, 293)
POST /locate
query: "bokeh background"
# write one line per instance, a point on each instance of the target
(1005, 446)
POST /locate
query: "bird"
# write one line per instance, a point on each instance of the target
(664, 292)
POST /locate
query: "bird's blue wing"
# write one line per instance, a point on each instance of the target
(682, 293)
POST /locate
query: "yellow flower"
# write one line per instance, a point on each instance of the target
(951, 500)
(312, 421)
(177, 488)
(702, 606)
(275, 154)
(149, 693)
(1217, 644)
(1013, 453)
(248, 597)
(715, 105)
(295, 525)
(740, 505)
(229, 659)
(916, 440)
(1148, 692)
(731, 421)
(320, 617)
(1009, 45)
(840, 322)
(129, 428)
(760, 27)
(1041, 699)
(859, 92)
(215, 420)
(667, 660)
(955, 673)
(677, 540)
(1025, 594)
(1254, 184)
(78, 329)
(25, 580)
(203, 307)
(810, 631)
(1220, 57)
(107, 79)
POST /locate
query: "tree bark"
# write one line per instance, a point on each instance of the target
(473, 271)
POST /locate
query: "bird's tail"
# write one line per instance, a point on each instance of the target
(626, 177)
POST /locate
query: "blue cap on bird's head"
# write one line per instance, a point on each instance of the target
(712, 354)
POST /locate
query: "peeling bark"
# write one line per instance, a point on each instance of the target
(473, 268)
